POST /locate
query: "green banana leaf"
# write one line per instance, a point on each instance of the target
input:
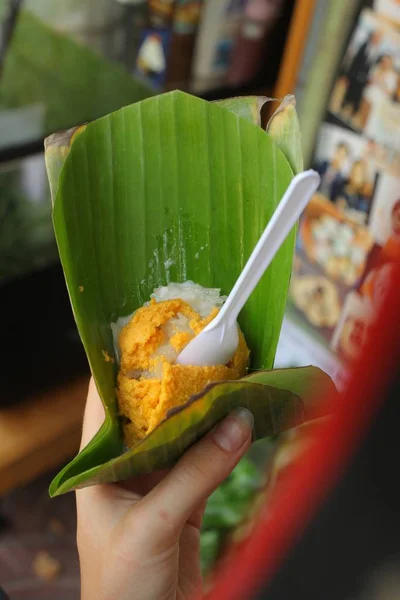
(169, 189)
(284, 127)
(247, 107)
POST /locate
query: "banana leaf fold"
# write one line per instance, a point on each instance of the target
(174, 188)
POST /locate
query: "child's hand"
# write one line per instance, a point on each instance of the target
(140, 540)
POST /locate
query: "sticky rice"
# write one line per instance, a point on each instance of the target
(150, 383)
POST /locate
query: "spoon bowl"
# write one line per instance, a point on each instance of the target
(218, 342)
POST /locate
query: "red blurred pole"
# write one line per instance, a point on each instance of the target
(300, 495)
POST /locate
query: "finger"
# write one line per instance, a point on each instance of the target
(143, 484)
(196, 518)
(92, 421)
(195, 476)
(93, 500)
(94, 415)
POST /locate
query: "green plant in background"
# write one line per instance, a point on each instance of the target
(169, 189)
(2, 10)
(229, 507)
(26, 235)
(56, 82)
(226, 508)
(71, 82)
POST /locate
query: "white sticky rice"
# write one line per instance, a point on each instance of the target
(201, 299)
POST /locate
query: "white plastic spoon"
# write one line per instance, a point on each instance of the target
(218, 342)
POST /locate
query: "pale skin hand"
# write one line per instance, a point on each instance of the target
(140, 540)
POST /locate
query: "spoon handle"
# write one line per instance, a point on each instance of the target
(295, 199)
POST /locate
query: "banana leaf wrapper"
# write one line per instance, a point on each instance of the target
(174, 188)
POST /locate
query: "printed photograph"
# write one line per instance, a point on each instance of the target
(390, 9)
(315, 298)
(151, 62)
(335, 243)
(381, 158)
(385, 229)
(187, 15)
(352, 328)
(162, 8)
(385, 214)
(348, 166)
(366, 96)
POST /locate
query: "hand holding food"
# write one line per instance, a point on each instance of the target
(136, 540)
(173, 189)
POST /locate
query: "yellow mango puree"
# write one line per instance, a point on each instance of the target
(149, 383)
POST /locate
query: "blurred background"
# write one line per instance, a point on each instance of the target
(66, 62)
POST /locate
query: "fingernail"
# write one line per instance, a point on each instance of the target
(231, 434)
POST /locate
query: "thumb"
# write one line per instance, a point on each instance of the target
(193, 478)
(94, 415)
